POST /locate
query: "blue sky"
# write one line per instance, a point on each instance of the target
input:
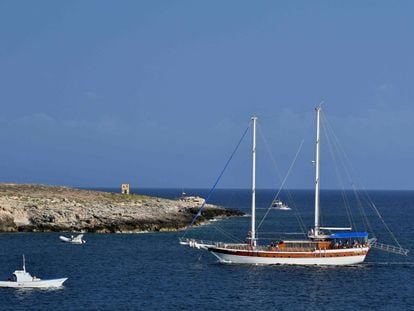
(157, 93)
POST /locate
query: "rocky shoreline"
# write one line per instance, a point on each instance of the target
(42, 208)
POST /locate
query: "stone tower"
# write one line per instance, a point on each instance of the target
(125, 188)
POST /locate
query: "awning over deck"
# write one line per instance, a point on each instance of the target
(349, 235)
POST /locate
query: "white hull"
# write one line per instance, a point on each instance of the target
(34, 284)
(76, 240)
(321, 259)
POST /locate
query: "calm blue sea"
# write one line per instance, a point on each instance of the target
(151, 271)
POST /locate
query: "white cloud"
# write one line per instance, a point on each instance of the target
(39, 118)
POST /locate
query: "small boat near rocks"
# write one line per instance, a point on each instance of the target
(73, 239)
(191, 199)
(23, 279)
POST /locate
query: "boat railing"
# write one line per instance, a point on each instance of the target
(390, 248)
(205, 243)
(196, 243)
(193, 242)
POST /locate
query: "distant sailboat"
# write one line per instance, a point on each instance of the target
(343, 248)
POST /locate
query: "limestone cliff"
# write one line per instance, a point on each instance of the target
(25, 207)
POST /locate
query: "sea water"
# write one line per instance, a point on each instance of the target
(152, 271)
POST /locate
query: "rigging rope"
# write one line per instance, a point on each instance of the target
(382, 220)
(346, 166)
(218, 179)
(385, 225)
(290, 198)
(328, 130)
(346, 163)
(361, 207)
(231, 236)
(283, 182)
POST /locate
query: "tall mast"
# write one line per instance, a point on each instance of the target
(253, 231)
(317, 184)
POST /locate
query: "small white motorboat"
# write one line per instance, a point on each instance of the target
(278, 204)
(73, 239)
(23, 279)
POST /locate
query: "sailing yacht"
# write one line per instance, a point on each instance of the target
(319, 248)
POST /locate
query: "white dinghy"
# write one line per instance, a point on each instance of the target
(23, 279)
(73, 239)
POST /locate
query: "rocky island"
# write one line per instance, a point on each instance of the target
(38, 208)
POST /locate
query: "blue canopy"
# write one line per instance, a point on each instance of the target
(349, 235)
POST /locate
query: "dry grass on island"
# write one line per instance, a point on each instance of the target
(27, 207)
